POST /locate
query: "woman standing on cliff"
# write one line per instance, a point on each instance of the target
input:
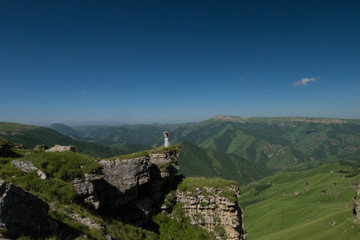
(166, 139)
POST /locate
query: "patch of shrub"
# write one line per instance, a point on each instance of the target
(190, 184)
(262, 186)
(172, 229)
(354, 173)
(164, 167)
(220, 231)
(3, 141)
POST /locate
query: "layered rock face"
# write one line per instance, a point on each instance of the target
(356, 202)
(210, 209)
(120, 182)
(22, 213)
(140, 182)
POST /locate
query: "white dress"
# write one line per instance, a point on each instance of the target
(166, 140)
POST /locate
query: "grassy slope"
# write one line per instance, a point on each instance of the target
(296, 141)
(197, 161)
(64, 129)
(272, 211)
(246, 141)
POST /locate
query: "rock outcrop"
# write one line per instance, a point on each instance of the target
(27, 166)
(22, 213)
(91, 188)
(210, 209)
(120, 182)
(356, 202)
(139, 182)
(59, 148)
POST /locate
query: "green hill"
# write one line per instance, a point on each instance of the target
(198, 161)
(277, 143)
(303, 203)
(269, 143)
(65, 130)
(30, 136)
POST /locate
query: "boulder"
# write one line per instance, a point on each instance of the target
(41, 174)
(22, 213)
(59, 148)
(120, 182)
(24, 166)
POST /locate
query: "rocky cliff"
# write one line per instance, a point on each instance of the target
(356, 202)
(137, 179)
(213, 208)
(142, 182)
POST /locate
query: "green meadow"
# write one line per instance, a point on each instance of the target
(303, 203)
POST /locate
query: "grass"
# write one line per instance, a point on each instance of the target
(322, 209)
(224, 187)
(3, 141)
(180, 228)
(191, 183)
(171, 150)
(62, 165)
(60, 168)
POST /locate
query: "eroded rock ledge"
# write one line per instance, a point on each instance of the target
(214, 209)
(122, 181)
(356, 202)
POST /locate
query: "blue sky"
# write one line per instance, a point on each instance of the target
(178, 61)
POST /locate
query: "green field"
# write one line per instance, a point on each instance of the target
(303, 204)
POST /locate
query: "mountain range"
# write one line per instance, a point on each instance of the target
(238, 148)
(298, 175)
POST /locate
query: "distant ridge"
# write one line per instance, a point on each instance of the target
(279, 119)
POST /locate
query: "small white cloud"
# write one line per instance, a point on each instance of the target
(304, 81)
(243, 78)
